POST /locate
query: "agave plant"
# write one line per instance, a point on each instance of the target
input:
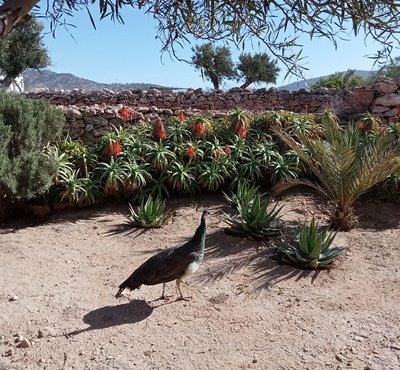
(81, 156)
(158, 185)
(112, 143)
(312, 248)
(245, 192)
(151, 213)
(256, 219)
(346, 167)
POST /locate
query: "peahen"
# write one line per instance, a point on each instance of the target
(170, 264)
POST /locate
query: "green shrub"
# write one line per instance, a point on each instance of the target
(26, 127)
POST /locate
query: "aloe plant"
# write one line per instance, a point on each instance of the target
(212, 175)
(113, 175)
(182, 177)
(151, 213)
(257, 218)
(159, 155)
(77, 189)
(312, 248)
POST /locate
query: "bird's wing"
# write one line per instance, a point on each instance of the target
(169, 266)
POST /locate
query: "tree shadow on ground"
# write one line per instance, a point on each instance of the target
(72, 215)
(378, 215)
(108, 316)
(227, 255)
(269, 271)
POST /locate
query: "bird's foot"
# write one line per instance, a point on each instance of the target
(162, 298)
(182, 298)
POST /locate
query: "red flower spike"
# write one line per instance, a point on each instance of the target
(217, 153)
(190, 151)
(125, 113)
(181, 116)
(200, 129)
(360, 125)
(159, 130)
(242, 132)
(114, 149)
(163, 134)
(227, 150)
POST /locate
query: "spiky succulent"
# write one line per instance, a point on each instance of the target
(151, 213)
(312, 248)
(256, 218)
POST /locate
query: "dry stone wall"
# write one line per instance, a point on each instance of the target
(89, 115)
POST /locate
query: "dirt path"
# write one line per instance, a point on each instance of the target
(58, 281)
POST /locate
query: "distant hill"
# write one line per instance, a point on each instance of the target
(45, 78)
(294, 86)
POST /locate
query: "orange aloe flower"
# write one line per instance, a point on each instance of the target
(181, 116)
(125, 113)
(242, 132)
(190, 151)
(227, 150)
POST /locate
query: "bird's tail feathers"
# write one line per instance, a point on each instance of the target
(128, 283)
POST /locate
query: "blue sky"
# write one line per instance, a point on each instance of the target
(130, 52)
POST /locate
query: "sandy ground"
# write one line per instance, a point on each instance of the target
(59, 277)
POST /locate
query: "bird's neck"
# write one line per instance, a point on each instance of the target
(200, 234)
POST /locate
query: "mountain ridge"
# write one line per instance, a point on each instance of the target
(44, 78)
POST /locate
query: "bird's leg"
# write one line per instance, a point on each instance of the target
(178, 287)
(163, 296)
(163, 291)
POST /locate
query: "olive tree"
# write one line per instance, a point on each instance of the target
(215, 63)
(21, 49)
(256, 68)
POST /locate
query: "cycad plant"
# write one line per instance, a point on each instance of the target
(345, 165)
(257, 218)
(151, 213)
(312, 248)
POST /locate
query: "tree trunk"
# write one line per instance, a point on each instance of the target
(215, 82)
(12, 12)
(246, 85)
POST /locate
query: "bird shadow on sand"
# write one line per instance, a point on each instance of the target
(108, 316)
